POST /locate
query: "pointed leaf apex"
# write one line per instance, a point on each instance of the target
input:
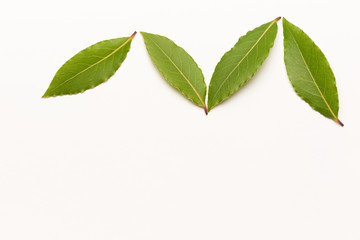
(277, 19)
(46, 94)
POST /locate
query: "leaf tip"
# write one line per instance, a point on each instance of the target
(339, 122)
(46, 95)
(133, 35)
(277, 19)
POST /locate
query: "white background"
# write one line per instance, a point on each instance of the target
(133, 159)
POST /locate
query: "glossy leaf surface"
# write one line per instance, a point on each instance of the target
(90, 67)
(240, 64)
(177, 67)
(309, 72)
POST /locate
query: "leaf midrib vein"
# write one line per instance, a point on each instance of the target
(181, 73)
(248, 52)
(312, 77)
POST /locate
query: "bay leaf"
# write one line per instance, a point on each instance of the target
(309, 72)
(177, 67)
(239, 65)
(90, 67)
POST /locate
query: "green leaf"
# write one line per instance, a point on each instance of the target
(240, 64)
(90, 67)
(177, 67)
(309, 72)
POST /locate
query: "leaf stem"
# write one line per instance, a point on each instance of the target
(339, 122)
(133, 35)
(277, 19)
(205, 109)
